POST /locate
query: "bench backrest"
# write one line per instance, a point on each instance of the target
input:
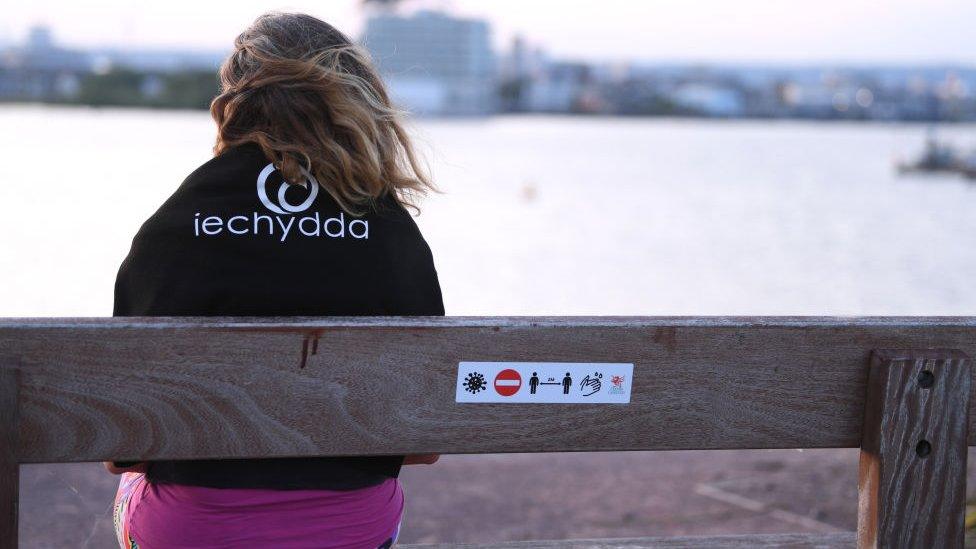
(182, 388)
(94, 389)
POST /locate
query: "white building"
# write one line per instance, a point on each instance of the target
(434, 64)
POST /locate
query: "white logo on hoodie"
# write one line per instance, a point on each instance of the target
(285, 223)
(283, 207)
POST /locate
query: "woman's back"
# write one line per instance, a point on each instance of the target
(302, 212)
(215, 249)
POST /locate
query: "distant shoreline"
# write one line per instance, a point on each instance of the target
(7, 104)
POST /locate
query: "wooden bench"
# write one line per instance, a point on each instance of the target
(181, 388)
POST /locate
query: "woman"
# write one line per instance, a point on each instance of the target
(300, 212)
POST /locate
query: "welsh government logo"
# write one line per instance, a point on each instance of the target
(283, 207)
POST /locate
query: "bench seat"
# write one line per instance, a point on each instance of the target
(789, 541)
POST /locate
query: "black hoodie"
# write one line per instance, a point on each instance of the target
(235, 240)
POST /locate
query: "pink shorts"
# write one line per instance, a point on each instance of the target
(160, 516)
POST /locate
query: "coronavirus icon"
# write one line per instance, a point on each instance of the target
(475, 382)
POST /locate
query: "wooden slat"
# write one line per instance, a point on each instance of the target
(159, 388)
(781, 541)
(9, 469)
(912, 482)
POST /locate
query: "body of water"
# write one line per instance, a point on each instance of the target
(543, 215)
(546, 215)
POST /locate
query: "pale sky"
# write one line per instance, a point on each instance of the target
(895, 31)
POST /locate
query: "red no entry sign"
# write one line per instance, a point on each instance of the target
(507, 382)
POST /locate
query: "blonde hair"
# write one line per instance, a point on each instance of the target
(311, 99)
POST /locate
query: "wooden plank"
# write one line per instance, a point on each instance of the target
(9, 469)
(842, 322)
(780, 541)
(912, 485)
(160, 388)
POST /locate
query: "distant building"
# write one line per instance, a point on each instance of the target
(40, 70)
(711, 100)
(157, 60)
(435, 64)
(560, 87)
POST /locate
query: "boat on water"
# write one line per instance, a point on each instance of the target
(940, 157)
(969, 166)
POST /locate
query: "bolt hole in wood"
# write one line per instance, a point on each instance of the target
(926, 379)
(923, 449)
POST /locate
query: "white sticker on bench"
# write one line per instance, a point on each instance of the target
(544, 382)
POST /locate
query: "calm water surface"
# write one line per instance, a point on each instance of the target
(546, 215)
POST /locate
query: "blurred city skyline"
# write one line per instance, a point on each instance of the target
(442, 63)
(748, 31)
